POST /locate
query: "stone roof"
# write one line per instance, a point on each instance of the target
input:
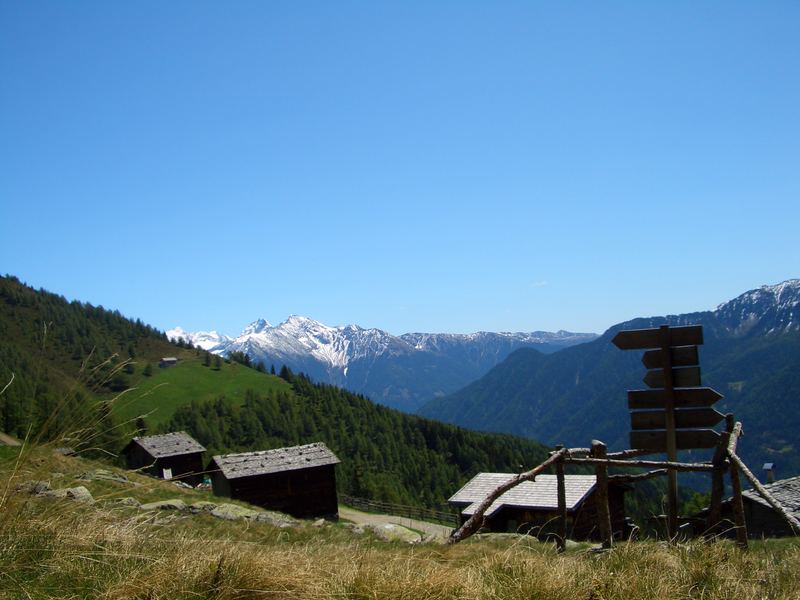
(785, 491)
(542, 493)
(169, 444)
(275, 461)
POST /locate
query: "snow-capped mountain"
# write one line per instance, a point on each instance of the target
(400, 371)
(768, 309)
(207, 340)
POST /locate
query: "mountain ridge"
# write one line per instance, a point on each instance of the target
(751, 355)
(399, 371)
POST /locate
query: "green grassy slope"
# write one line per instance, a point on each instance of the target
(62, 549)
(161, 394)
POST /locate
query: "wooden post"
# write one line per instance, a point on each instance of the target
(562, 505)
(669, 416)
(603, 513)
(736, 484)
(717, 481)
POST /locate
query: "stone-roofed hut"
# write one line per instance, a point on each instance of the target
(299, 480)
(532, 506)
(761, 518)
(169, 456)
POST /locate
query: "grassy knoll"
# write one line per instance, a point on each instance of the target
(167, 389)
(63, 549)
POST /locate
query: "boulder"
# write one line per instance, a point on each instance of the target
(276, 519)
(354, 527)
(165, 505)
(389, 532)
(126, 501)
(232, 512)
(79, 494)
(33, 487)
(202, 506)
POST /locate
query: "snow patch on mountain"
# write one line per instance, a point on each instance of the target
(207, 340)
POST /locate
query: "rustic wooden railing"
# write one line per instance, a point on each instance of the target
(401, 510)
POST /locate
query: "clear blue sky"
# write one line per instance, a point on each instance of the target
(413, 166)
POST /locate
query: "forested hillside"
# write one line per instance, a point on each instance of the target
(751, 355)
(65, 362)
(73, 365)
(385, 454)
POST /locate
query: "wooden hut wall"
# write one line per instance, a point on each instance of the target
(185, 467)
(581, 524)
(301, 493)
(763, 521)
(137, 457)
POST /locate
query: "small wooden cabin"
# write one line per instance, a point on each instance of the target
(761, 519)
(532, 506)
(169, 456)
(300, 480)
(167, 361)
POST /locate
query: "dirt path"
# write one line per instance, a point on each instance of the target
(363, 518)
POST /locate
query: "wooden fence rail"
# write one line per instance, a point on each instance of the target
(401, 510)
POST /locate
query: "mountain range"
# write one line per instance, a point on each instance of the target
(751, 355)
(399, 371)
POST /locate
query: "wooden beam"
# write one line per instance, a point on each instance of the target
(717, 483)
(562, 505)
(626, 478)
(677, 466)
(736, 484)
(475, 522)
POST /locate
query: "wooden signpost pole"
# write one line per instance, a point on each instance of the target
(669, 419)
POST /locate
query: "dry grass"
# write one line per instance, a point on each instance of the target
(52, 549)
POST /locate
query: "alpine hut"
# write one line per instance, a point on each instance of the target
(532, 506)
(169, 456)
(299, 480)
(763, 520)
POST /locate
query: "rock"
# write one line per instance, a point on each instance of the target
(355, 528)
(33, 487)
(389, 532)
(79, 494)
(276, 519)
(318, 523)
(232, 512)
(433, 538)
(202, 506)
(165, 505)
(126, 501)
(103, 475)
(182, 484)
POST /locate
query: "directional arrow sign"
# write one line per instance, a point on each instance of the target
(684, 440)
(682, 356)
(641, 339)
(686, 377)
(687, 398)
(684, 418)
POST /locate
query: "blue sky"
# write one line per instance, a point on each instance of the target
(413, 166)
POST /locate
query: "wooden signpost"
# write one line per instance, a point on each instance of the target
(675, 414)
